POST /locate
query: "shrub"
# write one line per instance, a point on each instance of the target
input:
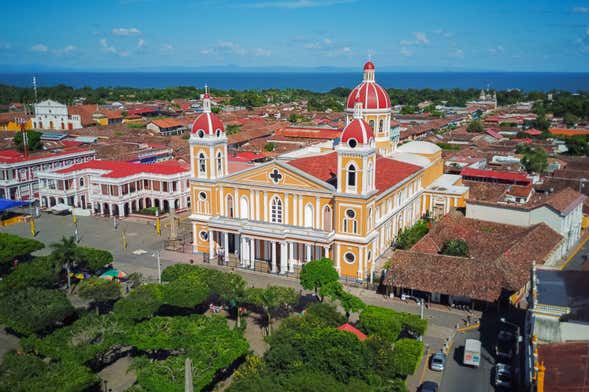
(457, 247)
(409, 237)
(406, 356)
(40, 272)
(380, 321)
(142, 303)
(14, 247)
(94, 258)
(148, 211)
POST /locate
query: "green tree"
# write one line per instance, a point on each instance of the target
(406, 356)
(232, 129)
(141, 303)
(34, 309)
(317, 273)
(26, 373)
(270, 146)
(409, 237)
(15, 247)
(535, 160)
(33, 141)
(293, 118)
(335, 291)
(100, 291)
(475, 126)
(39, 272)
(186, 292)
(272, 299)
(577, 145)
(379, 321)
(455, 247)
(67, 253)
(94, 258)
(324, 314)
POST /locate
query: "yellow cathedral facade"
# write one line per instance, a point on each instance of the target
(347, 203)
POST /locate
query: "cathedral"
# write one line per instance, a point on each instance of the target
(347, 203)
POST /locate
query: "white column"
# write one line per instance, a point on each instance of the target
(252, 253)
(221, 201)
(317, 213)
(291, 257)
(211, 245)
(285, 217)
(307, 252)
(336, 256)
(241, 254)
(283, 257)
(253, 206)
(265, 216)
(226, 243)
(326, 252)
(274, 266)
(360, 262)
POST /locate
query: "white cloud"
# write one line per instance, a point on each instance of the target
(327, 41)
(39, 48)
(125, 31)
(166, 48)
(225, 47)
(111, 49)
(458, 53)
(262, 52)
(405, 52)
(140, 43)
(421, 37)
(312, 45)
(497, 50)
(405, 42)
(65, 51)
(293, 4)
(444, 33)
(581, 10)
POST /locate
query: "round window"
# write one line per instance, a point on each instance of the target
(202, 195)
(352, 143)
(204, 235)
(350, 214)
(201, 133)
(349, 257)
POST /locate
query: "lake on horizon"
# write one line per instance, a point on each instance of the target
(315, 81)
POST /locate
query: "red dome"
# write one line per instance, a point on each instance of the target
(209, 123)
(371, 95)
(368, 65)
(359, 130)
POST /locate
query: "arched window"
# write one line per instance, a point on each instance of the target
(219, 164)
(276, 210)
(350, 223)
(381, 126)
(202, 164)
(370, 218)
(352, 177)
(81, 181)
(309, 215)
(327, 218)
(244, 208)
(230, 212)
(371, 122)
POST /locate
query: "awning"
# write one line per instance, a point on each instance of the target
(7, 204)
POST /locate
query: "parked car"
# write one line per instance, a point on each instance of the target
(503, 367)
(505, 336)
(502, 377)
(504, 352)
(438, 362)
(428, 386)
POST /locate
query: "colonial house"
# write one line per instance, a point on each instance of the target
(50, 114)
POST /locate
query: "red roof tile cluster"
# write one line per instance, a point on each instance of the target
(86, 112)
(389, 172)
(166, 123)
(495, 175)
(309, 133)
(245, 156)
(7, 117)
(533, 132)
(567, 366)
(13, 156)
(120, 169)
(500, 258)
(568, 132)
(351, 329)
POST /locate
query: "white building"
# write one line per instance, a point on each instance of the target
(562, 211)
(54, 115)
(18, 173)
(117, 187)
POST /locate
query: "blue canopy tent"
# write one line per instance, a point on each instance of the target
(7, 204)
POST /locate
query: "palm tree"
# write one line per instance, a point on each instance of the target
(66, 252)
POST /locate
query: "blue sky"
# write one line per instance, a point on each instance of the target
(409, 35)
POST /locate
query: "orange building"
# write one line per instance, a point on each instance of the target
(347, 203)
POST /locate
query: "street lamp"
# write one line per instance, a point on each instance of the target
(159, 266)
(504, 320)
(420, 301)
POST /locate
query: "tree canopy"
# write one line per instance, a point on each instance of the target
(455, 247)
(15, 247)
(34, 309)
(409, 236)
(317, 273)
(475, 126)
(34, 142)
(100, 291)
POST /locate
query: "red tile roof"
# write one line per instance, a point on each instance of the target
(120, 169)
(568, 132)
(245, 156)
(495, 134)
(533, 132)
(567, 366)
(13, 156)
(351, 329)
(309, 133)
(495, 175)
(167, 123)
(389, 172)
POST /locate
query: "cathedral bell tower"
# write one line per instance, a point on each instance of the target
(356, 156)
(208, 144)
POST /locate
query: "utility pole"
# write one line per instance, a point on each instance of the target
(159, 267)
